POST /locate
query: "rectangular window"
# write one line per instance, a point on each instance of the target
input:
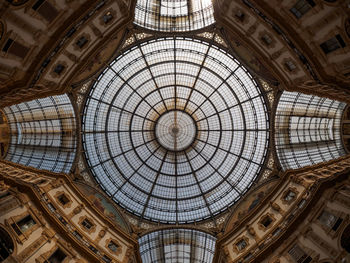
(333, 44)
(240, 15)
(337, 224)
(266, 221)
(106, 259)
(57, 257)
(266, 39)
(107, 17)
(37, 4)
(113, 246)
(15, 48)
(77, 235)
(174, 8)
(81, 42)
(242, 244)
(87, 224)
(46, 10)
(63, 199)
(7, 45)
(93, 249)
(290, 65)
(58, 69)
(23, 225)
(289, 196)
(298, 255)
(302, 7)
(329, 220)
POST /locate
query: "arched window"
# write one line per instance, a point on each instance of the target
(6, 245)
(345, 239)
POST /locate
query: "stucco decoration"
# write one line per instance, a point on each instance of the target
(96, 61)
(252, 61)
(103, 205)
(247, 205)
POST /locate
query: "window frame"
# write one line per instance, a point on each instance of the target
(83, 219)
(298, 11)
(117, 243)
(26, 234)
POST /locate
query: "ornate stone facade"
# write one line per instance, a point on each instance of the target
(294, 216)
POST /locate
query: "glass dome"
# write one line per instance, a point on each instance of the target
(175, 130)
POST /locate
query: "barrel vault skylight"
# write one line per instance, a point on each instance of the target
(174, 15)
(42, 133)
(308, 130)
(177, 245)
(175, 130)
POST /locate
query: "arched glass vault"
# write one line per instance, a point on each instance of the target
(175, 130)
(177, 245)
(307, 130)
(43, 133)
(174, 15)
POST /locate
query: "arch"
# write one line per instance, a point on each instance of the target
(345, 239)
(307, 130)
(6, 244)
(174, 15)
(43, 133)
(177, 245)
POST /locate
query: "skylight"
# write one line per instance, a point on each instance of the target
(177, 245)
(307, 130)
(175, 130)
(42, 133)
(174, 15)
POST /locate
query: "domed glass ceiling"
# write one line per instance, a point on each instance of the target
(175, 130)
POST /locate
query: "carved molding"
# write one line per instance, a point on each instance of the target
(119, 249)
(285, 193)
(24, 235)
(239, 250)
(31, 249)
(270, 216)
(60, 193)
(93, 225)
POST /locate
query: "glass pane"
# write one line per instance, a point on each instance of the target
(307, 130)
(177, 134)
(177, 245)
(43, 133)
(174, 15)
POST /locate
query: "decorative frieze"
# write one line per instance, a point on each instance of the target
(31, 249)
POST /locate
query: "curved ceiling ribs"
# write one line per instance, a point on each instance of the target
(174, 128)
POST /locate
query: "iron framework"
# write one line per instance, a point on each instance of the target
(43, 133)
(128, 154)
(177, 245)
(307, 130)
(174, 15)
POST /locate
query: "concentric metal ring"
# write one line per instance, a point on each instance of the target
(175, 130)
(221, 133)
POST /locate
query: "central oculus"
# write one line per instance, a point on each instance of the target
(175, 130)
